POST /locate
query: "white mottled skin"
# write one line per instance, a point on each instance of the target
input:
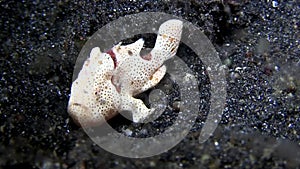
(103, 89)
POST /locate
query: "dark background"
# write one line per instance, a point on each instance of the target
(258, 41)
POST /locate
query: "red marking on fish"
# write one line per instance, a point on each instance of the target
(113, 56)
